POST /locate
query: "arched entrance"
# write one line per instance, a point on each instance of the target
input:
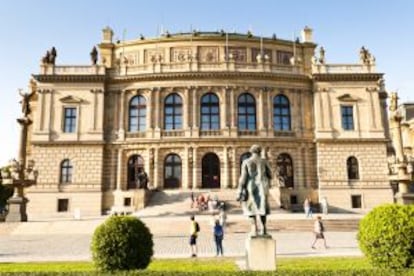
(172, 172)
(135, 164)
(210, 171)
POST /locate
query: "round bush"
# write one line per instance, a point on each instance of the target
(122, 243)
(386, 236)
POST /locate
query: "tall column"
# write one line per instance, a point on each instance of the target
(226, 169)
(263, 115)
(195, 111)
(186, 112)
(157, 166)
(233, 112)
(121, 130)
(269, 112)
(158, 106)
(149, 112)
(39, 121)
(234, 166)
(97, 109)
(195, 167)
(119, 171)
(190, 165)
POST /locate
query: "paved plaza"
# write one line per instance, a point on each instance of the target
(69, 240)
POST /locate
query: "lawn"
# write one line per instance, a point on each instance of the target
(226, 266)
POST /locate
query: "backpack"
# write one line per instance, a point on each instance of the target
(218, 230)
(321, 226)
(197, 227)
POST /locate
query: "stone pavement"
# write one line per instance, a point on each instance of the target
(69, 240)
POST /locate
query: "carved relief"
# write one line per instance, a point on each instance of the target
(182, 54)
(266, 52)
(209, 54)
(239, 54)
(154, 55)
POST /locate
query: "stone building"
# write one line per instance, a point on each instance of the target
(185, 108)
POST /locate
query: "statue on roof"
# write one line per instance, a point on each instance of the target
(321, 55)
(52, 56)
(94, 55)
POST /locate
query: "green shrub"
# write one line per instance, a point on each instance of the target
(386, 236)
(122, 243)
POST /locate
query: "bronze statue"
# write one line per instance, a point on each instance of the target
(94, 55)
(253, 189)
(52, 57)
(25, 102)
(321, 55)
(142, 178)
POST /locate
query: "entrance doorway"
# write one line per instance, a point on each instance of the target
(210, 171)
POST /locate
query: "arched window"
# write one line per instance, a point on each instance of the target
(172, 171)
(66, 170)
(352, 168)
(210, 113)
(137, 114)
(173, 111)
(284, 170)
(246, 112)
(243, 157)
(281, 113)
(135, 164)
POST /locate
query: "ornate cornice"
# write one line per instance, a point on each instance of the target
(69, 78)
(210, 75)
(351, 140)
(348, 77)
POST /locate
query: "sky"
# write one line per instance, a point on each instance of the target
(29, 28)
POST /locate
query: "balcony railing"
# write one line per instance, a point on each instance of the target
(172, 133)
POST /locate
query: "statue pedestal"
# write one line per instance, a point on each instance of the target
(261, 253)
(17, 209)
(405, 198)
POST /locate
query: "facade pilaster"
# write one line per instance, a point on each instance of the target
(195, 110)
(121, 130)
(119, 171)
(195, 168)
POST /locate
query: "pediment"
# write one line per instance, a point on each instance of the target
(71, 99)
(347, 98)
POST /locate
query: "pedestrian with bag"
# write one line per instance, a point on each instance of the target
(218, 237)
(318, 230)
(194, 229)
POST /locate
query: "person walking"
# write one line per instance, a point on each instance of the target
(318, 230)
(194, 229)
(218, 237)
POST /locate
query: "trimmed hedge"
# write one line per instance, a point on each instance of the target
(122, 243)
(373, 272)
(386, 236)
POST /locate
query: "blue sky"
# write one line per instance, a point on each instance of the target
(28, 28)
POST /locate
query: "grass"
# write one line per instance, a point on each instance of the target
(351, 264)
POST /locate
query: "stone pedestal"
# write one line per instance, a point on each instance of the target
(261, 253)
(17, 209)
(405, 198)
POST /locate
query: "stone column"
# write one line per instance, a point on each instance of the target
(233, 113)
(186, 112)
(270, 112)
(149, 114)
(190, 165)
(158, 106)
(39, 121)
(234, 167)
(195, 167)
(260, 113)
(119, 171)
(157, 167)
(226, 169)
(195, 111)
(97, 109)
(121, 130)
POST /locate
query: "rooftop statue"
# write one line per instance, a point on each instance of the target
(94, 55)
(253, 189)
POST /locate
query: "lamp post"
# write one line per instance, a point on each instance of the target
(402, 169)
(21, 172)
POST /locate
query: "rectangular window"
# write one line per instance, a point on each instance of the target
(356, 201)
(63, 205)
(284, 57)
(127, 201)
(69, 122)
(347, 113)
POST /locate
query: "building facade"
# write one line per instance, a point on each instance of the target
(185, 109)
